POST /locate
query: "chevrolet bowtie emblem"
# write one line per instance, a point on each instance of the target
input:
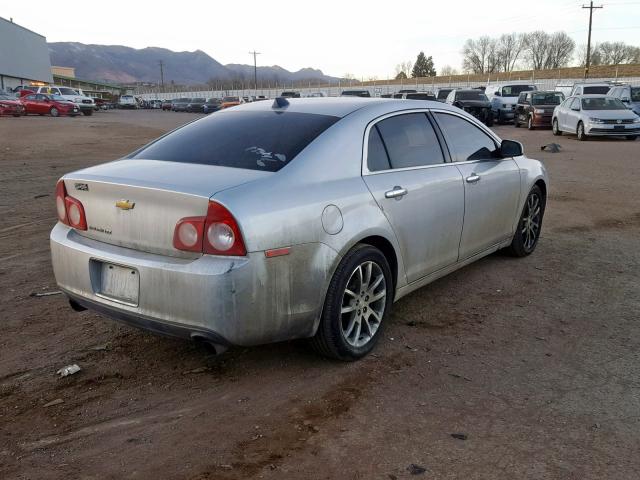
(125, 204)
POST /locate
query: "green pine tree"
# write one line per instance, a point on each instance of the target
(423, 66)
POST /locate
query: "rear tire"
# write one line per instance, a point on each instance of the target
(54, 112)
(530, 224)
(631, 138)
(555, 129)
(88, 113)
(516, 121)
(580, 132)
(356, 306)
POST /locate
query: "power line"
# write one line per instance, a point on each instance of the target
(591, 8)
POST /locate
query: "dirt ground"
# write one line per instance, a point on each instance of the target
(534, 362)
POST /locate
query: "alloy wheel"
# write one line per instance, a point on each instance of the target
(363, 304)
(531, 221)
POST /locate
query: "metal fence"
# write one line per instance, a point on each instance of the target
(376, 90)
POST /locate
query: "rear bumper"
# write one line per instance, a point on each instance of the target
(229, 300)
(542, 120)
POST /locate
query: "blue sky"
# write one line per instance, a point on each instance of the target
(365, 39)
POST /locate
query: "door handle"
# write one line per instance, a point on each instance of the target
(473, 178)
(396, 192)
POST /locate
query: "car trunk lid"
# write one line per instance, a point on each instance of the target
(137, 203)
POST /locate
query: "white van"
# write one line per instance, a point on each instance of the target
(127, 101)
(84, 103)
(504, 97)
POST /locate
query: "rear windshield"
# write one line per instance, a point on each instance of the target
(231, 99)
(67, 91)
(596, 90)
(197, 100)
(602, 103)
(477, 95)
(635, 94)
(514, 90)
(252, 140)
(442, 94)
(547, 98)
(420, 96)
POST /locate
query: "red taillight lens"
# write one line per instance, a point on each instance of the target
(70, 210)
(216, 234)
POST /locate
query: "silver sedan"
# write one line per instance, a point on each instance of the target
(300, 218)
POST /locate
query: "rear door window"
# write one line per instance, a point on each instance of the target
(466, 141)
(255, 140)
(377, 158)
(410, 141)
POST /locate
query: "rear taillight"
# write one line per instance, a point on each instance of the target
(216, 234)
(70, 210)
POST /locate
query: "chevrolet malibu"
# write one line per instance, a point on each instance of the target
(301, 218)
(595, 115)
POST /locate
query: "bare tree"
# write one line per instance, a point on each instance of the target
(634, 54)
(537, 48)
(448, 70)
(480, 56)
(614, 53)
(404, 67)
(509, 49)
(595, 58)
(560, 49)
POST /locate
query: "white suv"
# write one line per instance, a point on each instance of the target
(504, 97)
(84, 103)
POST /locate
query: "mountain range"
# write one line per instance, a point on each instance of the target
(120, 64)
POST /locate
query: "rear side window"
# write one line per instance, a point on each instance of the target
(265, 140)
(466, 141)
(377, 158)
(410, 141)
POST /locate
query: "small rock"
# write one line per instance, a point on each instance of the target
(99, 348)
(45, 294)
(57, 401)
(414, 469)
(459, 436)
(315, 429)
(196, 370)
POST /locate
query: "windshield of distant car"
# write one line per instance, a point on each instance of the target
(255, 140)
(213, 100)
(197, 100)
(442, 94)
(514, 90)
(67, 91)
(635, 94)
(478, 95)
(420, 96)
(596, 90)
(231, 99)
(602, 103)
(547, 98)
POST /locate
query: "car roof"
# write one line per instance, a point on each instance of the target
(593, 95)
(342, 106)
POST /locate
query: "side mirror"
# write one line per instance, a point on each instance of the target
(625, 99)
(497, 94)
(575, 109)
(510, 148)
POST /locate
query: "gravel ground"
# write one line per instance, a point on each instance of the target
(508, 368)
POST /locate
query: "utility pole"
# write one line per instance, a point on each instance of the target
(161, 63)
(255, 70)
(588, 63)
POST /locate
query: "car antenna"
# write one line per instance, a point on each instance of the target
(280, 102)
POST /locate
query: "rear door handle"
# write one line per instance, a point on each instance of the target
(473, 178)
(396, 192)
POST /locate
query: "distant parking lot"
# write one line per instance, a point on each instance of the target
(505, 369)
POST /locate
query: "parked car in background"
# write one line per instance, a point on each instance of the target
(472, 101)
(355, 93)
(167, 104)
(10, 105)
(179, 104)
(591, 88)
(211, 105)
(442, 94)
(292, 219)
(127, 102)
(419, 96)
(316, 95)
(44, 104)
(85, 104)
(504, 97)
(595, 115)
(230, 101)
(195, 105)
(535, 109)
(155, 104)
(629, 95)
(408, 90)
(565, 89)
(290, 94)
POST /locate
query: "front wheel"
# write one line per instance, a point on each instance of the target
(554, 128)
(88, 113)
(357, 303)
(580, 132)
(530, 225)
(54, 112)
